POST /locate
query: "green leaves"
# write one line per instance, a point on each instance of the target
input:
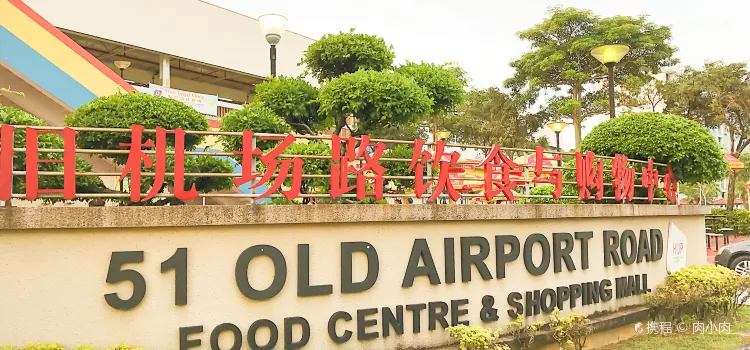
(293, 99)
(84, 184)
(256, 118)
(337, 54)
(491, 116)
(376, 99)
(442, 85)
(124, 110)
(560, 56)
(694, 154)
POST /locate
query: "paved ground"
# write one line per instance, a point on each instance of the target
(712, 253)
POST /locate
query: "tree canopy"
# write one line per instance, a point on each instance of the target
(124, 110)
(718, 95)
(442, 85)
(336, 54)
(560, 56)
(694, 154)
(491, 116)
(256, 118)
(293, 99)
(376, 99)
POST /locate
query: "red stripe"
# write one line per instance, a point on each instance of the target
(70, 43)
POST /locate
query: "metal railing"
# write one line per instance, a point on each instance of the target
(526, 180)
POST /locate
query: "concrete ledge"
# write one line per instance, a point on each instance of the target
(103, 217)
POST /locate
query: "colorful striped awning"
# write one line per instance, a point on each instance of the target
(34, 49)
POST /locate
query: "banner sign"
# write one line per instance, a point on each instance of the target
(205, 104)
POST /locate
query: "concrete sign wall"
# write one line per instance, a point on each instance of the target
(248, 278)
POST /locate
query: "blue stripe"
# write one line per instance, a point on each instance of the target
(41, 71)
(237, 169)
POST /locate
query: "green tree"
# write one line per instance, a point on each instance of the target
(694, 154)
(84, 184)
(336, 54)
(312, 166)
(442, 85)
(560, 57)
(491, 116)
(399, 168)
(254, 117)
(125, 110)
(293, 99)
(718, 95)
(700, 193)
(375, 99)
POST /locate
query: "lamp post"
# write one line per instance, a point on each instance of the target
(609, 56)
(273, 27)
(443, 135)
(122, 65)
(557, 127)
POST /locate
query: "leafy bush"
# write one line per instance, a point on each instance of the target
(739, 218)
(476, 338)
(571, 330)
(442, 86)
(702, 292)
(256, 118)
(376, 99)
(13, 116)
(124, 346)
(124, 110)
(49, 346)
(85, 347)
(337, 54)
(546, 190)
(523, 335)
(401, 151)
(694, 154)
(293, 99)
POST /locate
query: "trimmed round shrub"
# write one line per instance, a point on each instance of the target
(694, 154)
(293, 99)
(337, 54)
(256, 118)
(124, 110)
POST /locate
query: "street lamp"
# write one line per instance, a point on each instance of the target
(443, 135)
(273, 27)
(122, 65)
(610, 55)
(558, 127)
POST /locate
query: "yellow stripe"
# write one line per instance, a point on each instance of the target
(55, 51)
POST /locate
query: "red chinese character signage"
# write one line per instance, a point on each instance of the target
(493, 186)
(355, 166)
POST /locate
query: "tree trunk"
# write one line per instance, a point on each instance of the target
(577, 114)
(730, 191)
(340, 125)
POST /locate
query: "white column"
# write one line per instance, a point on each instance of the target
(164, 70)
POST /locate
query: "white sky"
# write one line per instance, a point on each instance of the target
(481, 34)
